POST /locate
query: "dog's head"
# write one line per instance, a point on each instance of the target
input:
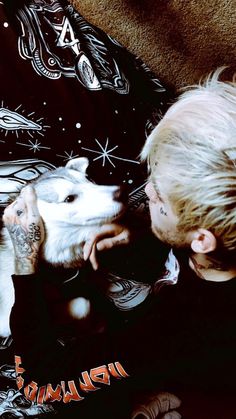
(67, 195)
(72, 207)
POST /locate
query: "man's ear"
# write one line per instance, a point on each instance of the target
(203, 241)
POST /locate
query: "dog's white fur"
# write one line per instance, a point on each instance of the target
(72, 207)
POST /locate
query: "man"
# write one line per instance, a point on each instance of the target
(187, 339)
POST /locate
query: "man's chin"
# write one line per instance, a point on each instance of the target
(166, 238)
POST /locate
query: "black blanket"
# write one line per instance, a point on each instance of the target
(68, 90)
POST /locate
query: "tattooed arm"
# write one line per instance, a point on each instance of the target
(26, 230)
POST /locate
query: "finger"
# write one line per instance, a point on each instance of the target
(19, 208)
(108, 243)
(168, 401)
(28, 193)
(93, 259)
(6, 213)
(161, 403)
(104, 244)
(143, 412)
(31, 201)
(14, 203)
(87, 249)
(106, 229)
(13, 212)
(172, 415)
(19, 198)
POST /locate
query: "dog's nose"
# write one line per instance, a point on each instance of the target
(121, 194)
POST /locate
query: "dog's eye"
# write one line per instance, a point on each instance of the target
(70, 198)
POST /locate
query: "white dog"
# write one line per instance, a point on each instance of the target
(72, 207)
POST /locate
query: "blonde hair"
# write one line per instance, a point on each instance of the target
(196, 142)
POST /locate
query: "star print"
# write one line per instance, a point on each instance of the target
(68, 156)
(105, 154)
(34, 146)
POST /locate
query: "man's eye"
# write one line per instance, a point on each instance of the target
(70, 198)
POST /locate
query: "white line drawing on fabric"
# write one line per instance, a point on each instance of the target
(15, 122)
(35, 146)
(64, 55)
(68, 155)
(105, 154)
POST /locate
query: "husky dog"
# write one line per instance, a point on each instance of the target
(72, 207)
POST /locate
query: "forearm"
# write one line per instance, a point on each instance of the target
(26, 266)
(25, 227)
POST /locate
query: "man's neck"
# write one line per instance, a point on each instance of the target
(211, 269)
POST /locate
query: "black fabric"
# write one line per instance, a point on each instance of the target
(68, 90)
(184, 342)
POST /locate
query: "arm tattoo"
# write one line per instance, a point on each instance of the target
(123, 240)
(34, 232)
(23, 239)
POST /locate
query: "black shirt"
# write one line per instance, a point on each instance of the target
(185, 339)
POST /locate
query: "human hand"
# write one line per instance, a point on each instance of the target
(25, 227)
(108, 236)
(161, 405)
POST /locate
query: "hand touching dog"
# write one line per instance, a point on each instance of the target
(108, 236)
(53, 227)
(25, 226)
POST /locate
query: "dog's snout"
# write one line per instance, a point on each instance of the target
(120, 194)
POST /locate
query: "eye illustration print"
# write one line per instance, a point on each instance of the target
(16, 122)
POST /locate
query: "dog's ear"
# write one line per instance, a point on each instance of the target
(80, 164)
